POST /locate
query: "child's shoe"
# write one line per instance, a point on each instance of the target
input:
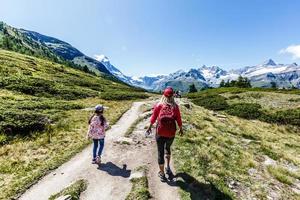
(94, 161)
(98, 160)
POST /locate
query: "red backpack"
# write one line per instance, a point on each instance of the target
(166, 119)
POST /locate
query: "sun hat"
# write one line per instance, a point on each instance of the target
(168, 92)
(99, 108)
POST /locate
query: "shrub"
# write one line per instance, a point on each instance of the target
(291, 116)
(234, 97)
(245, 110)
(22, 122)
(123, 95)
(212, 102)
(294, 100)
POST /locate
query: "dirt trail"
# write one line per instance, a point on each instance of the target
(120, 157)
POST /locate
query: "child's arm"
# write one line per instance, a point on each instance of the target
(106, 125)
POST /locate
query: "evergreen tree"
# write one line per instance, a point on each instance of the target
(192, 88)
(222, 83)
(227, 84)
(273, 85)
(86, 69)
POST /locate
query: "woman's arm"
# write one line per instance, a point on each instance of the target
(153, 117)
(179, 120)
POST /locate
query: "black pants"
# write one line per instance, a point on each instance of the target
(163, 144)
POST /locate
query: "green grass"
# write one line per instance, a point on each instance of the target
(281, 174)
(234, 90)
(217, 151)
(35, 92)
(74, 190)
(139, 189)
(269, 105)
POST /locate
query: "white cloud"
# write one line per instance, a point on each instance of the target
(294, 50)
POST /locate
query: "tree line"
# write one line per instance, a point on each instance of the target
(241, 82)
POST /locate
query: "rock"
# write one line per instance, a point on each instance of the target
(209, 138)
(66, 197)
(269, 161)
(247, 141)
(221, 116)
(124, 140)
(233, 184)
(136, 175)
(252, 171)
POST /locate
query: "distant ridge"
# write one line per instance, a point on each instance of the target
(34, 43)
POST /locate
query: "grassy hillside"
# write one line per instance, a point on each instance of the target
(228, 157)
(42, 117)
(269, 105)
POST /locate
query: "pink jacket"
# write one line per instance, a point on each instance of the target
(96, 131)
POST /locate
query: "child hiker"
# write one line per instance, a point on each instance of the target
(96, 131)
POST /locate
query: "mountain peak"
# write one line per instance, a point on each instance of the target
(101, 58)
(269, 62)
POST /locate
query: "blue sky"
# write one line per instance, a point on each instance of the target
(161, 36)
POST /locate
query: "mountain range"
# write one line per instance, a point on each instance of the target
(262, 75)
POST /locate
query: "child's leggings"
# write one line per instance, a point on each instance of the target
(101, 143)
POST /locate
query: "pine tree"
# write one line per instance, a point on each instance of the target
(222, 83)
(273, 85)
(192, 88)
(227, 84)
(86, 69)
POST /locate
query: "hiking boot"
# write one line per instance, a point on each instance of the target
(162, 177)
(169, 173)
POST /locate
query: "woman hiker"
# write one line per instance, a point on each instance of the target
(166, 113)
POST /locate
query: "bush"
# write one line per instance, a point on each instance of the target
(245, 110)
(234, 97)
(291, 116)
(22, 122)
(123, 95)
(212, 102)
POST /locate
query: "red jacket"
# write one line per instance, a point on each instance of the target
(177, 115)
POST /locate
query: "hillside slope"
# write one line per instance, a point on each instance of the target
(36, 44)
(226, 157)
(43, 79)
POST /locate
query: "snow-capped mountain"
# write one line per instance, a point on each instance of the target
(284, 75)
(112, 69)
